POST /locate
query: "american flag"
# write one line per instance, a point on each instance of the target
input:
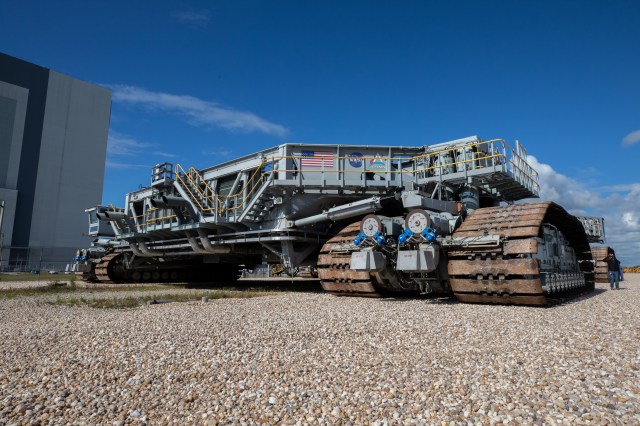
(317, 159)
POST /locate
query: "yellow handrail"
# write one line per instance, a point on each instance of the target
(246, 183)
(529, 172)
(252, 184)
(157, 219)
(248, 196)
(196, 186)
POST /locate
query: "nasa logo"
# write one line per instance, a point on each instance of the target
(377, 163)
(355, 159)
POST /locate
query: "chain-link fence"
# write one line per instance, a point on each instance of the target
(27, 259)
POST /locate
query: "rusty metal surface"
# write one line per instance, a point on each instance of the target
(510, 277)
(334, 263)
(514, 232)
(499, 279)
(102, 269)
(511, 287)
(502, 300)
(493, 267)
(526, 246)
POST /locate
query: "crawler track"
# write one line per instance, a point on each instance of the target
(334, 271)
(105, 269)
(508, 274)
(111, 270)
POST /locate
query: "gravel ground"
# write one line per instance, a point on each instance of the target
(308, 358)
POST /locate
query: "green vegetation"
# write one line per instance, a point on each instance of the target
(66, 290)
(57, 287)
(54, 287)
(135, 301)
(44, 276)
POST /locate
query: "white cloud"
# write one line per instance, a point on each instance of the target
(122, 146)
(619, 207)
(220, 153)
(567, 192)
(197, 111)
(164, 154)
(618, 188)
(195, 19)
(631, 138)
(631, 220)
(124, 166)
(119, 144)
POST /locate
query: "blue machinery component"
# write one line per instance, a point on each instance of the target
(428, 234)
(378, 238)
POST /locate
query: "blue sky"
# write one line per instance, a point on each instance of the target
(200, 82)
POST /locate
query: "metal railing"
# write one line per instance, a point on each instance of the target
(492, 156)
(28, 259)
(214, 202)
(195, 181)
(491, 153)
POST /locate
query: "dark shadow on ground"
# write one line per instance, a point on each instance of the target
(563, 301)
(433, 298)
(313, 286)
(308, 286)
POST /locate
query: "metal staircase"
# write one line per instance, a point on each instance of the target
(192, 187)
(260, 204)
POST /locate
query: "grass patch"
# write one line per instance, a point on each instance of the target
(130, 302)
(44, 276)
(57, 287)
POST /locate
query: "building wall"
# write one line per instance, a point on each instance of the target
(71, 163)
(13, 110)
(57, 152)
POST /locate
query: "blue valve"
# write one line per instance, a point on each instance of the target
(429, 234)
(405, 236)
(378, 238)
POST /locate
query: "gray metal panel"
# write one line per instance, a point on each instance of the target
(9, 196)
(7, 117)
(72, 161)
(34, 78)
(18, 96)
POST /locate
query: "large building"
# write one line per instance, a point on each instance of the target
(53, 143)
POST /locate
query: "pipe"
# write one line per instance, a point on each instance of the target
(345, 211)
(116, 215)
(170, 201)
(134, 248)
(210, 248)
(193, 242)
(174, 203)
(147, 252)
(157, 203)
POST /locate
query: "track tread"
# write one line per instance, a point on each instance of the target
(509, 280)
(102, 269)
(334, 271)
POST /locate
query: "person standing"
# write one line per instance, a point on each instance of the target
(614, 268)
